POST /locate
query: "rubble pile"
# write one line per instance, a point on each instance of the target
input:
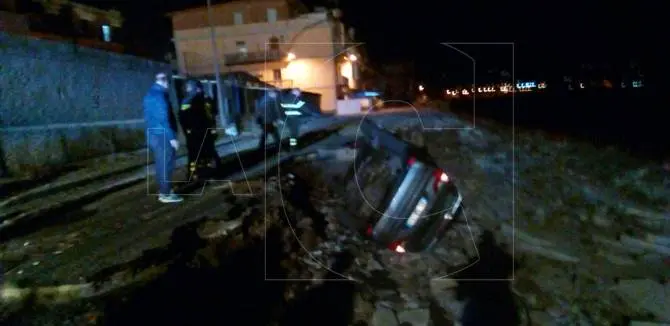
(589, 226)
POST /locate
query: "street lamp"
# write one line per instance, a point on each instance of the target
(224, 114)
(421, 88)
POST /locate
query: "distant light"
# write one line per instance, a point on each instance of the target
(465, 92)
(106, 33)
(542, 85)
(290, 56)
(581, 85)
(421, 88)
(353, 57)
(370, 94)
(479, 90)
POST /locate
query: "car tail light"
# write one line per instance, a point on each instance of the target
(411, 161)
(397, 246)
(439, 178)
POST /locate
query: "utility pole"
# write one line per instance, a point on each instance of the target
(224, 113)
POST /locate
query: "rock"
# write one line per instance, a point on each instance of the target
(510, 232)
(646, 323)
(548, 253)
(363, 309)
(541, 318)
(614, 245)
(641, 244)
(439, 285)
(384, 316)
(601, 221)
(416, 317)
(646, 295)
(616, 259)
(658, 240)
(646, 214)
(374, 265)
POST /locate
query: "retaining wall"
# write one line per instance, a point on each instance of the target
(61, 103)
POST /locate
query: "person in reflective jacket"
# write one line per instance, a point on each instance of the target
(295, 109)
(209, 146)
(268, 114)
(161, 127)
(195, 115)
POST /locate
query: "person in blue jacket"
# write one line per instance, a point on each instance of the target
(268, 114)
(161, 126)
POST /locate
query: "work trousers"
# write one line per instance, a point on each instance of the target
(202, 154)
(268, 128)
(293, 125)
(164, 159)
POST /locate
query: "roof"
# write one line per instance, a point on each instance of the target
(224, 3)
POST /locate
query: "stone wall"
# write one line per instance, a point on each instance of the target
(60, 103)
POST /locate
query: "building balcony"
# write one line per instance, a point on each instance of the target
(250, 58)
(283, 83)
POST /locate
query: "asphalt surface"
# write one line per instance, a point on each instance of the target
(119, 226)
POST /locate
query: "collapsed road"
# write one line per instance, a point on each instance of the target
(126, 260)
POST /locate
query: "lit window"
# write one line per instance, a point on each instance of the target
(272, 15)
(241, 46)
(106, 33)
(239, 19)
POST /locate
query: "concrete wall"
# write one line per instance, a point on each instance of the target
(60, 103)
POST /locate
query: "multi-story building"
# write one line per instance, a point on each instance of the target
(278, 41)
(62, 20)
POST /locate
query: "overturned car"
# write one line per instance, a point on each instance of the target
(394, 191)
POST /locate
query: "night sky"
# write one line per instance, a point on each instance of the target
(550, 40)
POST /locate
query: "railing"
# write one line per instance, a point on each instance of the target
(241, 58)
(284, 83)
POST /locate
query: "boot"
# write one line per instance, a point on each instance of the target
(192, 175)
(293, 144)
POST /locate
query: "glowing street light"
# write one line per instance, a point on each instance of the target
(421, 88)
(353, 57)
(290, 56)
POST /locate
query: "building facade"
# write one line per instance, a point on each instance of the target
(62, 20)
(278, 41)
